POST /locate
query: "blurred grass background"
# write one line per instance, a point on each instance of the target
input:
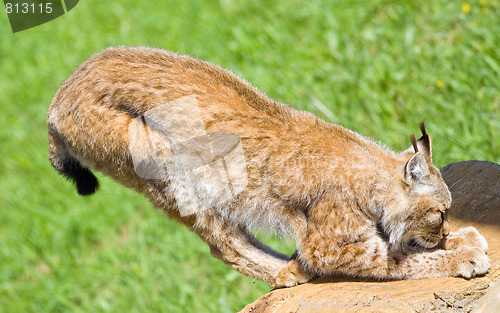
(378, 66)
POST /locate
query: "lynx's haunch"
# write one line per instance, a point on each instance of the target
(222, 158)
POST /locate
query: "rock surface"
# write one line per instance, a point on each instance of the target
(475, 188)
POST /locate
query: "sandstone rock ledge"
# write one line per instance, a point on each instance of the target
(475, 188)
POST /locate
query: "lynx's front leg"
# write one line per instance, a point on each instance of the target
(465, 262)
(368, 255)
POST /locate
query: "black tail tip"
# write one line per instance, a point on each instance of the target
(85, 181)
(86, 184)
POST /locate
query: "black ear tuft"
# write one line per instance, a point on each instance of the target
(414, 142)
(424, 142)
(422, 128)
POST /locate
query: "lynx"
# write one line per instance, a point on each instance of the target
(222, 158)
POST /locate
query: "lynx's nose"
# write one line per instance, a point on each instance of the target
(445, 228)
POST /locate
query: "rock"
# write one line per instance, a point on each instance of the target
(490, 302)
(475, 189)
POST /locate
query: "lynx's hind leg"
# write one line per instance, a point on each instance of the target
(236, 247)
(294, 273)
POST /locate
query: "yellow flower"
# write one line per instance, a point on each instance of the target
(465, 7)
(439, 83)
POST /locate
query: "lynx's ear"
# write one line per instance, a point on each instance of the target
(422, 145)
(415, 170)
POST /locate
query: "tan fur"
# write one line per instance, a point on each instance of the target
(353, 206)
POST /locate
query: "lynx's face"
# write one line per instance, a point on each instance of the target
(422, 219)
(430, 223)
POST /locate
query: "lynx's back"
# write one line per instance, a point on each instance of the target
(93, 111)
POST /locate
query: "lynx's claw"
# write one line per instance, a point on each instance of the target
(470, 262)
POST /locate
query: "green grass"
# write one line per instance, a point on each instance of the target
(379, 66)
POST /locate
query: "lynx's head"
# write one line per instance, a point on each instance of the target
(417, 215)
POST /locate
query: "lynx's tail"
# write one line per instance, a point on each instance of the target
(67, 165)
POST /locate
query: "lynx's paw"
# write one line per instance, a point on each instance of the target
(465, 237)
(291, 275)
(469, 262)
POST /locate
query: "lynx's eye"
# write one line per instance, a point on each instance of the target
(434, 217)
(429, 232)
